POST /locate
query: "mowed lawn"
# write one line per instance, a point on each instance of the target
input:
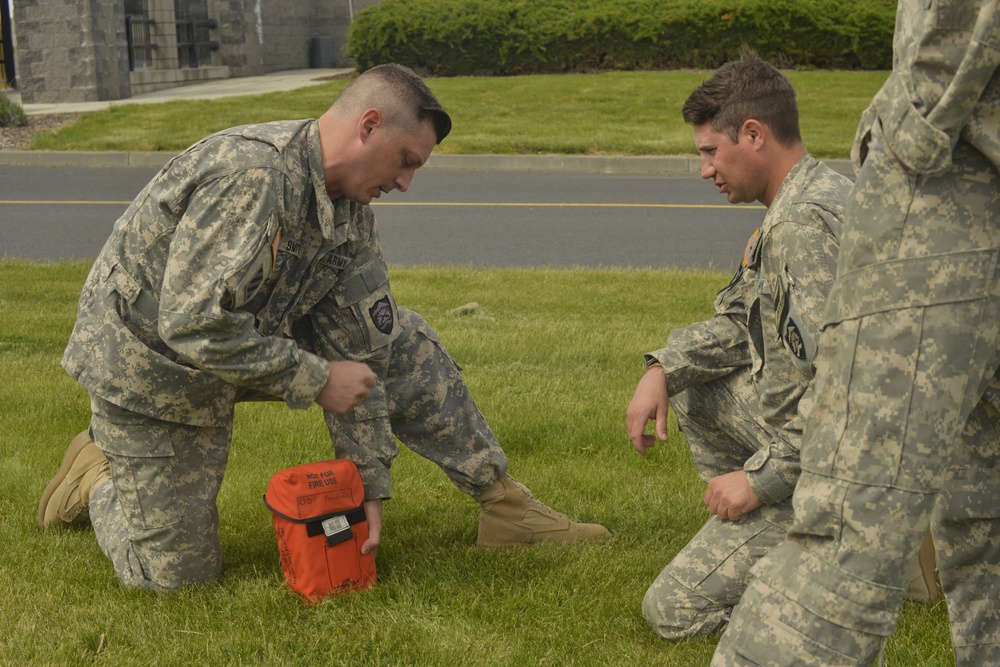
(552, 357)
(612, 113)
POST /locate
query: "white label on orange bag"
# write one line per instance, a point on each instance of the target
(335, 525)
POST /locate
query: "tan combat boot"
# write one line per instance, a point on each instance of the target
(512, 516)
(66, 500)
(923, 585)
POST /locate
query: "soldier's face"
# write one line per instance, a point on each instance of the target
(390, 156)
(733, 167)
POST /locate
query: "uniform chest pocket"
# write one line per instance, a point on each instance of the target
(368, 309)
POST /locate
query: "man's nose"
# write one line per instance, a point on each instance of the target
(707, 168)
(403, 180)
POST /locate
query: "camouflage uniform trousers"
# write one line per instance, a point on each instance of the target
(429, 409)
(695, 593)
(905, 432)
(158, 520)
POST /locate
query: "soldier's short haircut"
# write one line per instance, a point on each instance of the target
(744, 89)
(399, 93)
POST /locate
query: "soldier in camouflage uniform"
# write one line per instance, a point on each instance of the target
(905, 432)
(250, 267)
(737, 381)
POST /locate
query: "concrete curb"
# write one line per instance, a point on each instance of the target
(567, 163)
(97, 159)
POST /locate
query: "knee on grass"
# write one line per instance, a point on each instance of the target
(674, 611)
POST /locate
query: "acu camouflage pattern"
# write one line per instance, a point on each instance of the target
(195, 294)
(905, 431)
(158, 522)
(428, 407)
(783, 282)
(738, 384)
(695, 593)
(232, 276)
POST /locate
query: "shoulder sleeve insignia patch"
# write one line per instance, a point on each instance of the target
(381, 314)
(793, 336)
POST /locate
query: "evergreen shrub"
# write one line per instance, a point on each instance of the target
(11, 113)
(496, 37)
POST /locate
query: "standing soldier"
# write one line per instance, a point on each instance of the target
(905, 432)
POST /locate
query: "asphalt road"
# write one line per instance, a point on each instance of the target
(475, 218)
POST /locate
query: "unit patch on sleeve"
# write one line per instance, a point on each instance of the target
(381, 314)
(793, 336)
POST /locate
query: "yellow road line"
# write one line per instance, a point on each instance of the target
(68, 202)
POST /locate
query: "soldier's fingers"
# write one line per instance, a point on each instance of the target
(645, 444)
(635, 428)
(369, 546)
(661, 425)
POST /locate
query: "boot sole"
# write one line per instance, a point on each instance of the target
(74, 449)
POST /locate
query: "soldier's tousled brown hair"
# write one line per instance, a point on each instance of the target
(398, 90)
(744, 89)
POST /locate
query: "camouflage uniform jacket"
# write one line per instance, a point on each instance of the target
(945, 85)
(768, 318)
(232, 274)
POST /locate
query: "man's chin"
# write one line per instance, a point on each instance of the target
(362, 199)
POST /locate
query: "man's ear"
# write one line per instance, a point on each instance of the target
(368, 122)
(755, 131)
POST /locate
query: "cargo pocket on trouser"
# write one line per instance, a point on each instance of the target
(694, 594)
(166, 476)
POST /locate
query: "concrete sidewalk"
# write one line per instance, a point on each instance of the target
(203, 90)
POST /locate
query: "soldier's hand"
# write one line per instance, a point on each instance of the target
(730, 496)
(349, 383)
(650, 402)
(373, 511)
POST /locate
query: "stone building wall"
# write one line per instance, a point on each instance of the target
(71, 50)
(260, 36)
(76, 50)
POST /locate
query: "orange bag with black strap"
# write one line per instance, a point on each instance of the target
(320, 523)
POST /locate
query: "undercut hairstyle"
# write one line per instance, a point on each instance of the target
(744, 89)
(400, 94)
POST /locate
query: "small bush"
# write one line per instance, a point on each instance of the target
(467, 37)
(11, 113)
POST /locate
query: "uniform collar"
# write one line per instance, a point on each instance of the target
(335, 217)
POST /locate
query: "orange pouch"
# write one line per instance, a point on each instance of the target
(320, 522)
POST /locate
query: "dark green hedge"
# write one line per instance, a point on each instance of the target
(456, 37)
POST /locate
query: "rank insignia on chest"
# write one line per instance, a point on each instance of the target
(381, 314)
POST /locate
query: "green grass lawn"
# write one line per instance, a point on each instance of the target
(613, 113)
(552, 357)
